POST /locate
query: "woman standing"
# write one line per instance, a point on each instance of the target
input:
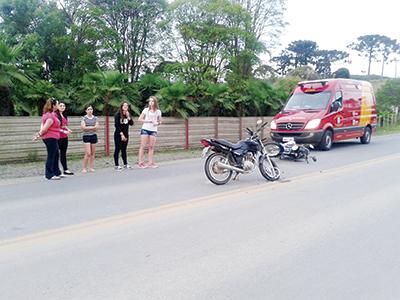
(151, 118)
(89, 126)
(121, 135)
(63, 141)
(50, 134)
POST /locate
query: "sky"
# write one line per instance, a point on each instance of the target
(336, 24)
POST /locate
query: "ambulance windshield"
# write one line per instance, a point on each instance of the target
(308, 101)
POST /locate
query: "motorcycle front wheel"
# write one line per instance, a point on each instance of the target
(269, 169)
(273, 149)
(214, 173)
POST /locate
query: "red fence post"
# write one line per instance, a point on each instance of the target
(186, 134)
(107, 136)
(240, 128)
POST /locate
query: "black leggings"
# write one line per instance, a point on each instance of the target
(120, 146)
(63, 145)
(52, 168)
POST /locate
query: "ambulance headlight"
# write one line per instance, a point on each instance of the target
(313, 124)
(273, 125)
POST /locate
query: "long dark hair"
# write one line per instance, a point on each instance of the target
(59, 114)
(121, 114)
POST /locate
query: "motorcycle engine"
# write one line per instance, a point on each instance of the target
(249, 162)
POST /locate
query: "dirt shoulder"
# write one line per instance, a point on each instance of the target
(31, 169)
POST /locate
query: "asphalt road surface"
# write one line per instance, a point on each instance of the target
(326, 230)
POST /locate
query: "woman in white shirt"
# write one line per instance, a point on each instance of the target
(151, 118)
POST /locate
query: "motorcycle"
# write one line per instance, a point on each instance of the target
(290, 150)
(241, 158)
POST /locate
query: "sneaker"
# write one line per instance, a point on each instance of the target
(84, 171)
(153, 166)
(127, 167)
(55, 178)
(91, 170)
(68, 172)
(62, 176)
(118, 168)
(142, 166)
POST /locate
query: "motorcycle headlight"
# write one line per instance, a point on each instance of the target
(273, 125)
(313, 124)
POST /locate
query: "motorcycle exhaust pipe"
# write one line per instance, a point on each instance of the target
(229, 167)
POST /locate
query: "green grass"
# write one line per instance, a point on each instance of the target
(388, 130)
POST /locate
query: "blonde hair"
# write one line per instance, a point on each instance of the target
(155, 102)
(48, 107)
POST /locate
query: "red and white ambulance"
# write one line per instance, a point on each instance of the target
(321, 112)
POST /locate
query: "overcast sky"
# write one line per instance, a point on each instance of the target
(336, 24)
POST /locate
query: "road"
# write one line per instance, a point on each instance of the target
(327, 230)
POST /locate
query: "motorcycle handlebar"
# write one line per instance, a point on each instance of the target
(252, 133)
(263, 125)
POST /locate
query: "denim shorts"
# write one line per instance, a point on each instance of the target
(92, 139)
(148, 132)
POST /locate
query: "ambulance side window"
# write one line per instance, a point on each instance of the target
(337, 102)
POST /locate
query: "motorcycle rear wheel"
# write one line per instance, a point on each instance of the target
(269, 172)
(215, 174)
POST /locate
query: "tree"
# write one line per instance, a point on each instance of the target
(266, 18)
(150, 84)
(371, 46)
(177, 99)
(36, 24)
(208, 34)
(12, 72)
(284, 62)
(262, 98)
(341, 73)
(80, 44)
(388, 47)
(298, 53)
(324, 60)
(305, 73)
(284, 87)
(103, 90)
(303, 52)
(266, 21)
(388, 97)
(215, 99)
(129, 31)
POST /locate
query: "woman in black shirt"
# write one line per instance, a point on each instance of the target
(121, 135)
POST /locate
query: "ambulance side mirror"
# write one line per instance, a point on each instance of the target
(336, 106)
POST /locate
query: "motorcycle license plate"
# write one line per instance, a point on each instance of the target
(205, 152)
(287, 139)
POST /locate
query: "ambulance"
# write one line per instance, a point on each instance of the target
(321, 112)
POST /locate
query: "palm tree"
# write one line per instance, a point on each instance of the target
(216, 99)
(105, 90)
(176, 100)
(12, 72)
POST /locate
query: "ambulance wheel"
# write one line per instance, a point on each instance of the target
(366, 138)
(326, 141)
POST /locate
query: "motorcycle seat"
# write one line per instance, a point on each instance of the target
(227, 143)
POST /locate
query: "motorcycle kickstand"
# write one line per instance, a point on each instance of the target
(236, 176)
